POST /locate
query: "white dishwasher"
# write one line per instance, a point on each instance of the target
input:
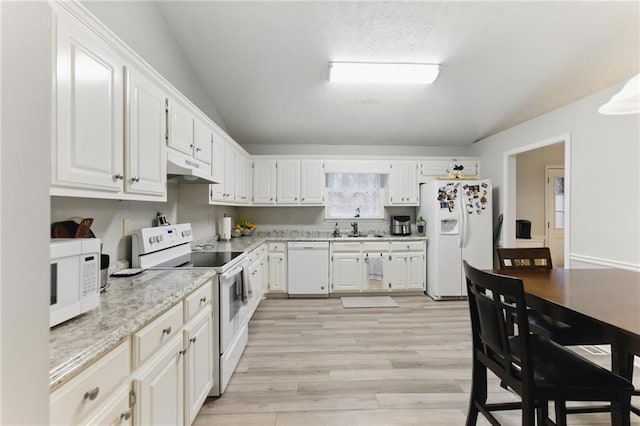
(308, 268)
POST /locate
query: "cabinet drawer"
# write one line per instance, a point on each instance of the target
(381, 247)
(260, 251)
(154, 335)
(408, 246)
(340, 247)
(197, 300)
(115, 412)
(87, 391)
(277, 247)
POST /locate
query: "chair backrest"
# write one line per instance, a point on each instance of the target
(493, 300)
(529, 258)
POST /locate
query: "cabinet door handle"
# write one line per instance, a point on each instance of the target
(118, 176)
(92, 394)
(198, 149)
(166, 330)
(203, 299)
(126, 415)
(135, 179)
(182, 352)
(190, 145)
(193, 339)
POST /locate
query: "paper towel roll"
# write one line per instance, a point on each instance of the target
(224, 228)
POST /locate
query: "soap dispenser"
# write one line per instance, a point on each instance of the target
(336, 231)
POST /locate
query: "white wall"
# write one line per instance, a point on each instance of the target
(141, 26)
(25, 136)
(531, 172)
(605, 177)
(193, 207)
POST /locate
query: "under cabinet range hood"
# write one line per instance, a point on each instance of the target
(182, 168)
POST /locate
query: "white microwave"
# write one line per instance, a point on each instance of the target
(75, 279)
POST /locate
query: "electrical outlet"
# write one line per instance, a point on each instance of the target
(126, 227)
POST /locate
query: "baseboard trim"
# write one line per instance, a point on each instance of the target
(608, 263)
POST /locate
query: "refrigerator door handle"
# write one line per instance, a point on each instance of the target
(460, 227)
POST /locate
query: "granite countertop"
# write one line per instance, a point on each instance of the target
(128, 305)
(248, 243)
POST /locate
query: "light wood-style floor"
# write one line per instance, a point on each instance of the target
(312, 362)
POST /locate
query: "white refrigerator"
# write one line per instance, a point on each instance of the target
(459, 227)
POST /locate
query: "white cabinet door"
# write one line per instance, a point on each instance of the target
(346, 272)
(375, 284)
(403, 183)
(202, 140)
(398, 271)
(145, 146)
(217, 157)
(416, 271)
(277, 273)
(199, 362)
(312, 182)
(229, 193)
(241, 178)
(115, 412)
(180, 127)
(159, 387)
(87, 151)
(264, 182)
(288, 182)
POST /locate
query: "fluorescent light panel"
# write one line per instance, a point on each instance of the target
(359, 72)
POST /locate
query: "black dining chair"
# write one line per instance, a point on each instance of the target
(539, 258)
(537, 369)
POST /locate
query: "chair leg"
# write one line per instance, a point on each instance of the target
(543, 413)
(528, 412)
(621, 411)
(561, 413)
(478, 392)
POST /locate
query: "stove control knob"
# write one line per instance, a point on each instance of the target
(159, 238)
(150, 240)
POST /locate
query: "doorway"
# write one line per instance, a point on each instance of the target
(535, 208)
(554, 213)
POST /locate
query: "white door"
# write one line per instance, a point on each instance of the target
(228, 189)
(477, 236)
(199, 363)
(554, 195)
(288, 182)
(415, 271)
(202, 141)
(241, 177)
(346, 272)
(264, 182)
(217, 157)
(180, 127)
(312, 182)
(90, 107)
(398, 271)
(146, 155)
(159, 388)
(277, 273)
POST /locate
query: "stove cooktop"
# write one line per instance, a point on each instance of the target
(212, 259)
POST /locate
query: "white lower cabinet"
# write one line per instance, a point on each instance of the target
(356, 267)
(198, 341)
(277, 282)
(159, 387)
(346, 272)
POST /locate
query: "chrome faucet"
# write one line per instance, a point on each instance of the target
(355, 228)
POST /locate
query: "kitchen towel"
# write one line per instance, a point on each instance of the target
(246, 285)
(374, 268)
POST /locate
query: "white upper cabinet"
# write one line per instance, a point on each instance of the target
(288, 182)
(145, 156)
(403, 183)
(202, 140)
(217, 157)
(242, 177)
(180, 127)
(430, 169)
(312, 182)
(88, 147)
(264, 182)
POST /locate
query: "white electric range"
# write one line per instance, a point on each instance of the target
(167, 247)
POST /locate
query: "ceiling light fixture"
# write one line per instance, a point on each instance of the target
(361, 72)
(626, 101)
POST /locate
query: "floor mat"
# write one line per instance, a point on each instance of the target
(368, 302)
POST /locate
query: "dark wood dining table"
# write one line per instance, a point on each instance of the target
(606, 301)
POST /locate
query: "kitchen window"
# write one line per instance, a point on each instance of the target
(354, 195)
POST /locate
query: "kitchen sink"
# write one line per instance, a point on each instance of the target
(361, 236)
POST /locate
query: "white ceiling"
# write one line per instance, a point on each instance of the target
(265, 65)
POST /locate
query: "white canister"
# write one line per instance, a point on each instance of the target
(224, 228)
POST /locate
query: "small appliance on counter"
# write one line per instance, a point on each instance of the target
(523, 229)
(224, 228)
(400, 225)
(75, 277)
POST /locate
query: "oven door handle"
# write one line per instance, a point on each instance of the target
(235, 271)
